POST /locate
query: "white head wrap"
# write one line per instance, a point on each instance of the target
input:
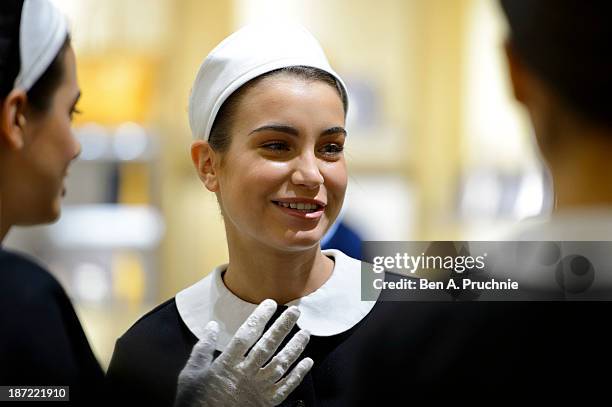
(42, 32)
(249, 52)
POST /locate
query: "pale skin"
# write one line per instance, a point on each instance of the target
(36, 149)
(577, 150)
(287, 138)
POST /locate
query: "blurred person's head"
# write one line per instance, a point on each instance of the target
(38, 92)
(560, 62)
(272, 153)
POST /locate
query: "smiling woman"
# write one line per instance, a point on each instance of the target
(268, 115)
(286, 150)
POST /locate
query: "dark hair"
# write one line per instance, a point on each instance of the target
(10, 17)
(220, 138)
(567, 44)
(41, 93)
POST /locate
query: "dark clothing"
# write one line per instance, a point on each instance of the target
(148, 358)
(41, 339)
(150, 355)
(487, 353)
(415, 352)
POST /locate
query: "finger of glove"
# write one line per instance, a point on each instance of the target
(271, 340)
(286, 386)
(203, 351)
(250, 331)
(284, 359)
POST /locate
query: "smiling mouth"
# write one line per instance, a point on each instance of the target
(300, 206)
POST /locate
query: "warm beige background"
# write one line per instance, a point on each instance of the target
(445, 110)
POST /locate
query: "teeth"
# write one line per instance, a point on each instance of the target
(299, 206)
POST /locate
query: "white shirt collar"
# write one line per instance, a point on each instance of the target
(330, 310)
(592, 223)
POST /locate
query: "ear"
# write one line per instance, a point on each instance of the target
(13, 120)
(205, 161)
(517, 72)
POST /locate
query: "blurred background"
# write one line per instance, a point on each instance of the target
(437, 148)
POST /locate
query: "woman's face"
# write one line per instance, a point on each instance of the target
(283, 179)
(48, 149)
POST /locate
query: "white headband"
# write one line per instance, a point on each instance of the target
(42, 32)
(249, 52)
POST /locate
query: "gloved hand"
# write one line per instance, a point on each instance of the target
(234, 379)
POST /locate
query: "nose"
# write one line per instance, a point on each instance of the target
(307, 172)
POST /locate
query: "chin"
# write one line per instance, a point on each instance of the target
(54, 212)
(300, 241)
(52, 217)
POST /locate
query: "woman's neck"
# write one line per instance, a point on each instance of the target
(582, 172)
(257, 273)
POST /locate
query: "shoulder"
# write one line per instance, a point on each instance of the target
(159, 333)
(149, 356)
(42, 336)
(160, 322)
(17, 269)
(25, 283)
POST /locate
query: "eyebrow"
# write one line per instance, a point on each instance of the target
(292, 131)
(334, 130)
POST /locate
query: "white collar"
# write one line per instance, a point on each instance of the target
(586, 223)
(333, 308)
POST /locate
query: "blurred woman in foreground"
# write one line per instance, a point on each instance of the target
(42, 342)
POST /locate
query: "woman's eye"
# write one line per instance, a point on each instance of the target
(332, 149)
(276, 146)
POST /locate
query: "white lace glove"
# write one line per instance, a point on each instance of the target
(234, 379)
